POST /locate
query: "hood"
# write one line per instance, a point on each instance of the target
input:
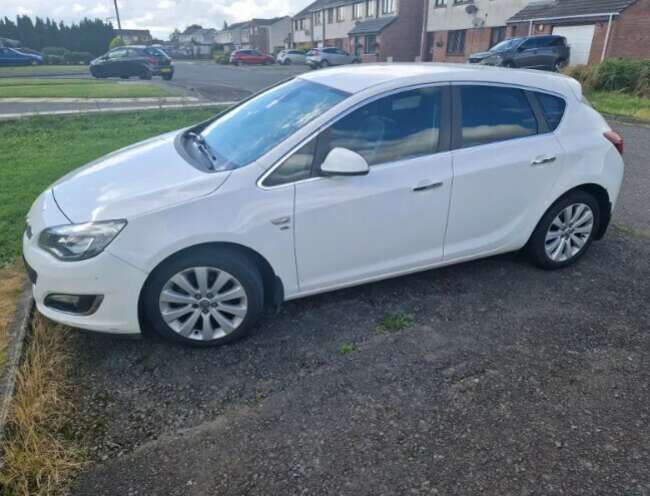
(135, 180)
(481, 55)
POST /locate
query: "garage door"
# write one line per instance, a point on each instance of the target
(579, 39)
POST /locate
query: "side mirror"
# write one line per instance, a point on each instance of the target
(344, 162)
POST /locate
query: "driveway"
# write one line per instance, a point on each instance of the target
(509, 380)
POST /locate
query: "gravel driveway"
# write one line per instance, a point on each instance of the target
(505, 380)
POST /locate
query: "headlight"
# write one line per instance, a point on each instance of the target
(74, 242)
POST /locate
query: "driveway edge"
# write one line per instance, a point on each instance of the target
(16, 331)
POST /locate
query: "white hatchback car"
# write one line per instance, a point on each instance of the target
(331, 179)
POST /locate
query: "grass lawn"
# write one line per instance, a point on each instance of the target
(43, 69)
(78, 88)
(620, 104)
(37, 151)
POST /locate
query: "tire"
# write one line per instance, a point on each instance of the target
(232, 266)
(324, 64)
(168, 77)
(125, 77)
(287, 62)
(509, 65)
(572, 239)
(145, 74)
(239, 63)
(558, 66)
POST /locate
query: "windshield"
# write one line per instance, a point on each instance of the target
(505, 45)
(247, 132)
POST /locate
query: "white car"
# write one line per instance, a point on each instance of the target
(288, 57)
(331, 179)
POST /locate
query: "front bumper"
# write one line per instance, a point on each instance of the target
(116, 281)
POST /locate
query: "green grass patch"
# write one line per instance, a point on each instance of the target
(620, 104)
(37, 151)
(38, 70)
(395, 322)
(347, 348)
(78, 88)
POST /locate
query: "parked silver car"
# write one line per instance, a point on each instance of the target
(288, 57)
(327, 56)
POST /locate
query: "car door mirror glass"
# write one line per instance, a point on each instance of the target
(344, 162)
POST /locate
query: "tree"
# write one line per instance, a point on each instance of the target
(116, 42)
(192, 28)
(225, 25)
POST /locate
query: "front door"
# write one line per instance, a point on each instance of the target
(352, 229)
(504, 168)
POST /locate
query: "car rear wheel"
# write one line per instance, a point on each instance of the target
(509, 64)
(125, 77)
(324, 64)
(565, 232)
(204, 298)
(287, 61)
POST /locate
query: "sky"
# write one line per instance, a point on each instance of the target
(159, 16)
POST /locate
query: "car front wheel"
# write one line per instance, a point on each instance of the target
(565, 232)
(206, 297)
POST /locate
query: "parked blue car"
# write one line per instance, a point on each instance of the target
(14, 56)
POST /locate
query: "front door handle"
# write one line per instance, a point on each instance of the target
(542, 161)
(425, 185)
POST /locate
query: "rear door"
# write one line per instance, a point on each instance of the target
(528, 54)
(505, 161)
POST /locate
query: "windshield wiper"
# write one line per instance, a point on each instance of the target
(204, 148)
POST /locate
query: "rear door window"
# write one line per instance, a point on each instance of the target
(494, 113)
(553, 108)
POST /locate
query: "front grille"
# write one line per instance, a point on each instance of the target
(31, 273)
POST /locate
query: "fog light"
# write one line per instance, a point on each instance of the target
(74, 304)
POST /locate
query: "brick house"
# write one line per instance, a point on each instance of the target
(456, 28)
(375, 30)
(595, 29)
(134, 36)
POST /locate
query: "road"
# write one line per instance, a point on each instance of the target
(509, 380)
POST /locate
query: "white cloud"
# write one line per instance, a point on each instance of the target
(159, 16)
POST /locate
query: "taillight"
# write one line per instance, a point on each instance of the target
(616, 140)
(151, 60)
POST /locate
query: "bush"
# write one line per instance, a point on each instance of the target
(78, 57)
(221, 58)
(623, 75)
(59, 51)
(116, 42)
(53, 59)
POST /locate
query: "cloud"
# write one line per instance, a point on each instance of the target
(159, 16)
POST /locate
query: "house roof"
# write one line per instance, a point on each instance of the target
(372, 25)
(267, 22)
(134, 32)
(565, 8)
(322, 4)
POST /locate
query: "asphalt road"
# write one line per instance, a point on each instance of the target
(508, 381)
(227, 82)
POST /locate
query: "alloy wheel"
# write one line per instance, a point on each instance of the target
(569, 232)
(203, 303)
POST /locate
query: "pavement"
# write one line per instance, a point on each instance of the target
(508, 380)
(200, 82)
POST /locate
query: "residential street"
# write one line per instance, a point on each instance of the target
(509, 380)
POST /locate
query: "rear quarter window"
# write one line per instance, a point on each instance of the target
(553, 108)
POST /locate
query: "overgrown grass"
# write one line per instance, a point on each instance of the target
(44, 70)
(37, 151)
(38, 455)
(12, 282)
(78, 88)
(620, 104)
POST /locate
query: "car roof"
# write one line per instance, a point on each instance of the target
(359, 77)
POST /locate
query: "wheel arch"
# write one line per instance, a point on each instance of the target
(273, 285)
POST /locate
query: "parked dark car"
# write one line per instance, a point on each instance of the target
(17, 56)
(241, 57)
(138, 61)
(531, 52)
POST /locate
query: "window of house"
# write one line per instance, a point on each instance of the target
(318, 18)
(441, 3)
(370, 8)
(330, 16)
(339, 14)
(493, 113)
(295, 168)
(387, 6)
(396, 127)
(456, 42)
(357, 11)
(497, 35)
(553, 108)
(369, 43)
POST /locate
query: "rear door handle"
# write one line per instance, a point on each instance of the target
(542, 161)
(425, 185)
